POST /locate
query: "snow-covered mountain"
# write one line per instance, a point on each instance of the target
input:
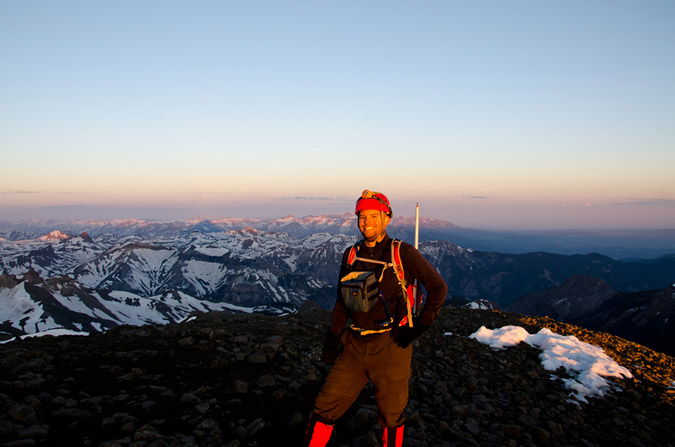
(133, 280)
(245, 267)
(248, 268)
(29, 304)
(181, 268)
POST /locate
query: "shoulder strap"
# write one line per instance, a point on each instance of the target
(400, 274)
(395, 263)
(351, 258)
(396, 260)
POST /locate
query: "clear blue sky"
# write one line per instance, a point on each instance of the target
(502, 114)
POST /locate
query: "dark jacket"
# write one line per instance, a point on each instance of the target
(414, 266)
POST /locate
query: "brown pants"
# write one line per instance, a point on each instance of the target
(378, 359)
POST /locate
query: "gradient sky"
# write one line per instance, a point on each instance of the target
(490, 114)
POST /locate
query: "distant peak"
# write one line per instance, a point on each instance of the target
(55, 236)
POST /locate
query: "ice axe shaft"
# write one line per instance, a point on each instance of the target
(417, 243)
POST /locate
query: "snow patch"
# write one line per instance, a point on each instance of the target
(215, 252)
(49, 332)
(588, 364)
(247, 310)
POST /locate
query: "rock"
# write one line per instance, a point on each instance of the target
(254, 427)
(295, 420)
(363, 418)
(266, 381)
(203, 408)
(257, 357)
(473, 426)
(241, 339)
(250, 380)
(8, 429)
(72, 414)
(189, 399)
(187, 341)
(240, 387)
(22, 414)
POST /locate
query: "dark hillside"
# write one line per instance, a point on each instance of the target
(504, 278)
(247, 380)
(646, 317)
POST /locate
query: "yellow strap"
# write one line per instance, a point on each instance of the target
(368, 332)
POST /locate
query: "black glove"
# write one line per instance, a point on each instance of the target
(406, 334)
(331, 348)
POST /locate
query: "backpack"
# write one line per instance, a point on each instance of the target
(409, 291)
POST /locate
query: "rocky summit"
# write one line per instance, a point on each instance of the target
(220, 379)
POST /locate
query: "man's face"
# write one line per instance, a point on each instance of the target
(372, 225)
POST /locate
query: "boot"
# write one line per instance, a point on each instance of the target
(392, 436)
(318, 432)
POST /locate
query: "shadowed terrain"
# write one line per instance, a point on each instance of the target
(250, 380)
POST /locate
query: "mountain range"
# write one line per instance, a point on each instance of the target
(136, 272)
(617, 244)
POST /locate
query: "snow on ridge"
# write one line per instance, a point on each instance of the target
(154, 257)
(215, 252)
(117, 307)
(317, 238)
(147, 309)
(203, 275)
(233, 307)
(479, 305)
(16, 303)
(55, 332)
(588, 364)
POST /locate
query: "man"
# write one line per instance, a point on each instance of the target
(378, 343)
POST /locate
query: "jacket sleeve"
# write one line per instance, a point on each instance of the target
(339, 319)
(419, 268)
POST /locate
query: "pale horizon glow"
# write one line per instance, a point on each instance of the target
(490, 114)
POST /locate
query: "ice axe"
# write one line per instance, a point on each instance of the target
(415, 288)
